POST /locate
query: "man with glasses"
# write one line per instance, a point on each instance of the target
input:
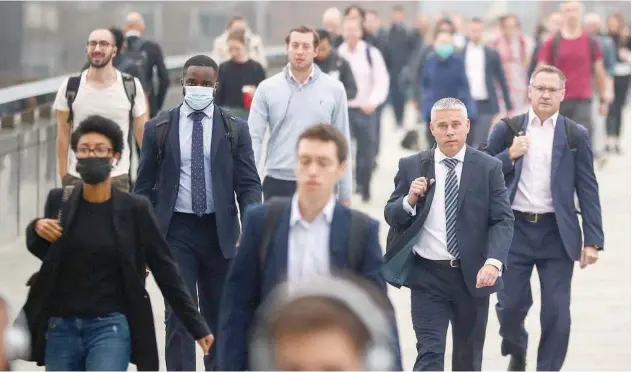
(100, 90)
(547, 161)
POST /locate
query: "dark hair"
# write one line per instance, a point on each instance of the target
(323, 34)
(540, 30)
(356, 7)
(504, 18)
(443, 22)
(398, 8)
(303, 30)
(199, 60)
(327, 133)
(308, 314)
(477, 20)
(99, 124)
(119, 38)
(238, 35)
(549, 70)
(234, 19)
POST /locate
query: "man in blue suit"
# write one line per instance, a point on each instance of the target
(545, 165)
(195, 158)
(311, 236)
(451, 227)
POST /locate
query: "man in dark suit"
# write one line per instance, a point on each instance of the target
(310, 238)
(154, 64)
(545, 165)
(451, 229)
(191, 170)
(484, 72)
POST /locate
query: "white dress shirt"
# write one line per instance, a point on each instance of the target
(432, 244)
(475, 69)
(534, 187)
(308, 245)
(303, 83)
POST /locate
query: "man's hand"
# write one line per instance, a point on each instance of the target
(347, 203)
(589, 256)
(368, 108)
(519, 146)
(48, 228)
(603, 109)
(205, 343)
(418, 189)
(487, 276)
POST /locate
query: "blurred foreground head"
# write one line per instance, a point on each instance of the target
(14, 340)
(328, 324)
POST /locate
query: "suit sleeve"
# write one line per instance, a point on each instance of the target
(495, 147)
(588, 191)
(501, 218)
(394, 212)
(148, 166)
(246, 182)
(240, 298)
(37, 245)
(373, 258)
(502, 80)
(166, 272)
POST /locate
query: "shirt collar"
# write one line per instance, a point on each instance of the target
(439, 156)
(328, 210)
(309, 78)
(552, 120)
(186, 110)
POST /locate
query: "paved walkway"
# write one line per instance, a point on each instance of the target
(600, 338)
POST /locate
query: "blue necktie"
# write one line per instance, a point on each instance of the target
(198, 182)
(451, 199)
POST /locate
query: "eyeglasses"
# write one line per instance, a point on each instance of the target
(102, 43)
(541, 89)
(99, 152)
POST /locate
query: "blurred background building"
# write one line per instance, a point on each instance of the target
(43, 39)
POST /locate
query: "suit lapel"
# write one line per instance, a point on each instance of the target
(559, 144)
(218, 131)
(174, 135)
(338, 236)
(467, 174)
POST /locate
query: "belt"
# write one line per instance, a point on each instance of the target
(443, 263)
(531, 217)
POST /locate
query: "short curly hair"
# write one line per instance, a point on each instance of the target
(104, 126)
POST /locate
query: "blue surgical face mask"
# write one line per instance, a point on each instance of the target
(198, 98)
(444, 50)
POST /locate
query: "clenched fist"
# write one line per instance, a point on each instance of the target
(519, 147)
(418, 189)
(48, 228)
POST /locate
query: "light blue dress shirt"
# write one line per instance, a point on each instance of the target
(183, 202)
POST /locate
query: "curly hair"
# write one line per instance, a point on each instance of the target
(104, 126)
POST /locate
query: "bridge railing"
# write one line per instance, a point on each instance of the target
(28, 130)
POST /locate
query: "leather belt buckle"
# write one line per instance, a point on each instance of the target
(455, 263)
(533, 217)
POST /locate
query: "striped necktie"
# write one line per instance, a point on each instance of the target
(451, 198)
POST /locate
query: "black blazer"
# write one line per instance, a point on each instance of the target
(140, 244)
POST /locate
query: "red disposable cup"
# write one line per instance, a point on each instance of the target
(247, 93)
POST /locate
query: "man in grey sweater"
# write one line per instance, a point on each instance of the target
(289, 102)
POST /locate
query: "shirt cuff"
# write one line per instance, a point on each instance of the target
(497, 264)
(411, 210)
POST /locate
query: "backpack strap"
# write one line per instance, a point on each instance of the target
(368, 55)
(162, 123)
(357, 238)
(514, 124)
(571, 133)
(555, 47)
(65, 196)
(276, 206)
(130, 91)
(232, 129)
(72, 87)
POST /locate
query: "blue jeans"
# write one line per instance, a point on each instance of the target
(88, 344)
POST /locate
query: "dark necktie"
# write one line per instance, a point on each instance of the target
(198, 182)
(451, 198)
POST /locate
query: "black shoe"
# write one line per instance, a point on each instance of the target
(517, 363)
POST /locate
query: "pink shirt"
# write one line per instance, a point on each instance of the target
(372, 81)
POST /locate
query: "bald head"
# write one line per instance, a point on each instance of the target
(134, 22)
(572, 13)
(332, 19)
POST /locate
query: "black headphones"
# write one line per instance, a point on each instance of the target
(379, 355)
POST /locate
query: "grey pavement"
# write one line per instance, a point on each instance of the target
(600, 337)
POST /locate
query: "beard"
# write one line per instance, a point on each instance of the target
(100, 64)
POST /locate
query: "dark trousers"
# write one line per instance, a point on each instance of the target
(537, 244)
(615, 112)
(273, 187)
(363, 128)
(438, 297)
(397, 98)
(479, 128)
(378, 114)
(195, 247)
(580, 111)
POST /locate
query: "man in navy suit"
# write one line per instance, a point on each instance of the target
(484, 71)
(544, 167)
(311, 238)
(451, 227)
(191, 168)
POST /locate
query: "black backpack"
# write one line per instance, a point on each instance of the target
(163, 123)
(515, 127)
(357, 238)
(134, 52)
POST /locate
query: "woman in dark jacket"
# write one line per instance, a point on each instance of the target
(88, 308)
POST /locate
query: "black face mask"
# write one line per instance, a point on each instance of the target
(94, 170)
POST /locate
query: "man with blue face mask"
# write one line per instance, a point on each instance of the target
(443, 76)
(195, 158)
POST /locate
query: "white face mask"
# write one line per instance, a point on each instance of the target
(199, 98)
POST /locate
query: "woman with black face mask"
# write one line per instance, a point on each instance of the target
(87, 308)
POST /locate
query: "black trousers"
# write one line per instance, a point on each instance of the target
(273, 187)
(615, 112)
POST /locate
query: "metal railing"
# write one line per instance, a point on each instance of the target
(28, 161)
